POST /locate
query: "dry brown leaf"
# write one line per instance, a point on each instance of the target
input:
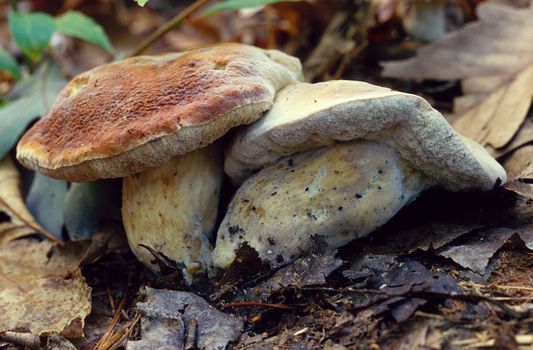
(518, 163)
(522, 137)
(15, 219)
(498, 116)
(494, 59)
(42, 289)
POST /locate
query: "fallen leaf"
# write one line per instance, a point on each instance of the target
(429, 236)
(45, 202)
(421, 334)
(344, 38)
(527, 174)
(523, 137)
(494, 59)
(181, 320)
(42, 290)
(87, 204)
(477, 251)
(498, 116)
(518, 162)
(15, 219)
(394, 282)
(31, 98)
(311, 269)
(57, 342)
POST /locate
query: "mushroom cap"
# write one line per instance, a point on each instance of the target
(339, 193)
(127, 116)
(307, 116)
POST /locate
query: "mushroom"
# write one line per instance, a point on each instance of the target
(338, 160)
(141, 118)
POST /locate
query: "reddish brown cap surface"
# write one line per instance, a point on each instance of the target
(127, 116)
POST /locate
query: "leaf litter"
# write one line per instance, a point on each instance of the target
(16, 221)
(175, 319)
(42, 289)
(415, 283)
(493, 58)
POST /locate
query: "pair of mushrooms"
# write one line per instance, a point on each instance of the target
(335, 159)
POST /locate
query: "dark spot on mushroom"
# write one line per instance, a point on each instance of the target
(380, 171)
(358, 195)
(379, 187)
(290, 162)
(234, 230)
(274, 193)
(271, 241)
(306, 189)
(245, 200)
(334, 188)
(339, 208)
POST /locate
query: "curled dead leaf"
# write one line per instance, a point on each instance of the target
(15, 219)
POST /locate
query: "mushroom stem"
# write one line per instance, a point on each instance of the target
(173, 209)
(340, 192)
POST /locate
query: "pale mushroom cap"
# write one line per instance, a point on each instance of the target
(134, 114)
(307, 116)
(340, 193)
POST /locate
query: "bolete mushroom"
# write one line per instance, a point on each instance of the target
(141, 118)
(338, 160)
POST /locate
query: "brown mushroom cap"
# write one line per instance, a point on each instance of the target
(134, 114)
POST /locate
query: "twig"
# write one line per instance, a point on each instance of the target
(25, 340)
(34, 227)
(259, 305)
(108, 332)
(429, 315)
(165, 28)
(472, 298)
(489, 286)
(116, 339)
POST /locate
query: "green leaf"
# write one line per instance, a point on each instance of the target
(141, 2)
(45, 202)
(8, 63)
(88, 203)
(31, 98)
(31, 32)
(231, 5)
(76, 24)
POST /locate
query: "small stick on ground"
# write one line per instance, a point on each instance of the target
(165, 28)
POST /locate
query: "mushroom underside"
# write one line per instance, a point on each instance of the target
(172, 210)
(340, 192)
